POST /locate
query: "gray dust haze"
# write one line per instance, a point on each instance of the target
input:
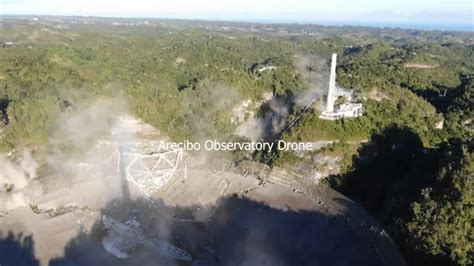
(314, 74)
(15, 175)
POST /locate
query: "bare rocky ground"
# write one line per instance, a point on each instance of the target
(218, 216)
(247, 214)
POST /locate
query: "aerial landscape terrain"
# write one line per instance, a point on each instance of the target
(146, 141)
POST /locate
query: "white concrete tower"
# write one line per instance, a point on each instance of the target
(332, 85)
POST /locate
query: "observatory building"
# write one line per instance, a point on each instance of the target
(349, 109)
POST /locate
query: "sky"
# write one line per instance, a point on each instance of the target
(448, 13)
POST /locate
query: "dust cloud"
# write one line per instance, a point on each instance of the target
(15, 175)
(313, 71)
(206, 106)
(276, 112)
(314, 74)
(78, 148)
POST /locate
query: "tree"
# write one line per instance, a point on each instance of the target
(442, 218)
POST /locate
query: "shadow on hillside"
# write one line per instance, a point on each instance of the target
(275, 114)
(389, 171)
(388, 174)
(4, 102)
(17, 250)
(442, 97)
(240, 232)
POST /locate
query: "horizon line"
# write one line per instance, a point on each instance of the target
(326, 23)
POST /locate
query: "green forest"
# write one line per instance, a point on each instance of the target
(413, 164)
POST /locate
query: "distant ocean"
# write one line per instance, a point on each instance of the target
(402, 25)
(446, 27)
(415, 26)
